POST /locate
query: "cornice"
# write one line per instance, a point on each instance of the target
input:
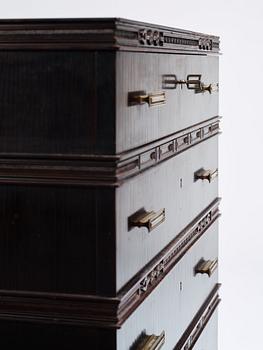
(102, 34)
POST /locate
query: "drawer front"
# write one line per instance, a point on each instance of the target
(139, 123)
(171, 195)
(172, 306)
(209, 338)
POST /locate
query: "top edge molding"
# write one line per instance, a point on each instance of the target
(102, 33)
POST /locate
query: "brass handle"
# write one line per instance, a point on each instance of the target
(150, 220)
(210, 88)
(208, 175)
(206, 267)
(152, 342)
(141, 97)
(192, 82)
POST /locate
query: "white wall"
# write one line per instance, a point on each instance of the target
(239, 24)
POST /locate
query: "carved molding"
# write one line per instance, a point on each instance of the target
(198, 324)
(106, 312)
(100, 34)
(150, 37)
(102, 170)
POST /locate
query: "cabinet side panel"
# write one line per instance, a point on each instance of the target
(43, 336)
(57, 239)
(57, 102)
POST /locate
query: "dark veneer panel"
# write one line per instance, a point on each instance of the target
(58, 239)
(42, 337)
(57, 102)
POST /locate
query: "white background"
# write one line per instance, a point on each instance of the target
(239, 23)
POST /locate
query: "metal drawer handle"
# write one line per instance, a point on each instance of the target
(141, 97)
(210, 88)
(192, 82)
(150, 220)
(152, 342)
(208, 175)
(206, 266)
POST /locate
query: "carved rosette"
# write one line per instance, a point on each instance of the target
(151, 37)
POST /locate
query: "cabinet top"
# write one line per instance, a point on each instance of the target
(102, 34)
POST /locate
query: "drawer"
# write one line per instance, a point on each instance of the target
(141, 74)
(77, 239)
(172, 196)
(174, 303)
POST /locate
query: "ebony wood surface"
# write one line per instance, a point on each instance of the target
(57, 102)
(41, 336)
(34, 336)
(58, 239)
(68, 139)
(112, 312)
(140, 124)
(63, 103)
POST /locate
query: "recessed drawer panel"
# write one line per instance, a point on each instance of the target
(159, 94)
(172, 306)
(156, 205)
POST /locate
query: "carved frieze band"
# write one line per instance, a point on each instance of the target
(152, 37)
(157, 38)
(106, 312)
(103, 170)
(167, 148)
(102, 34)
(198, 324)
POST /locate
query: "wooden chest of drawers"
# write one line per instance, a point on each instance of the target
(108, 185)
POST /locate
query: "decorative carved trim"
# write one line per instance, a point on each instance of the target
(180, 41)
(101, 170)
(198, 324)
(100, 34)
(150, 37)
(107, 312)
(205, 44)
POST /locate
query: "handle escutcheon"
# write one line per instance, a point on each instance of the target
(150, 220)
(206, 267)
(152, 342)
(141, 97)
(208, 175)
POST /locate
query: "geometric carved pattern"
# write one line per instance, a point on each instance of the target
(167, 149)
(153, 37)
(180, 41)
(196, 327)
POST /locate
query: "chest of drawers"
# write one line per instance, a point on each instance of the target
(109, 185)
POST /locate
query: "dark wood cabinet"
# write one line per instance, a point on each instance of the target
(108, 185)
